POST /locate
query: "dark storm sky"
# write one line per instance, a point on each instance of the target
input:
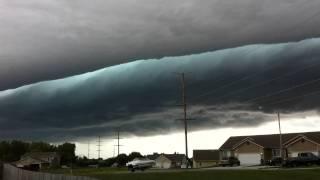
(230, 84)
(51, 39)
(236, 87)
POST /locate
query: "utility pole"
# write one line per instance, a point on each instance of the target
(118, 142)
(99, 147)
(280, 136)
(184, 105)
(88, 150)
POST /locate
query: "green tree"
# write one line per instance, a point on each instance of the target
(4, 150)
(42, 147)
(134, 155)
(122, 159)
(17, 149)
(67, 152)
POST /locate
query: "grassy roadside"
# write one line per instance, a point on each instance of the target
(87, 171)
(119, 174)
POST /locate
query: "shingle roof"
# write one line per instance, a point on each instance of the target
(29, 160)
(153, 156)
(271, 140)
(175, 157)
(206, 155)
(40, 155)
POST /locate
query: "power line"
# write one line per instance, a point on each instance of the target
(256, 48)
(293, 98)
(267, 82)
(284, 90)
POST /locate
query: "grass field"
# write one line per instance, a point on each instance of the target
(120, 174)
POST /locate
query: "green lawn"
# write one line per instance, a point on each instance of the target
(120, 174)
(87, 171)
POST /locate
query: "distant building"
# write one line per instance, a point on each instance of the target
(39, 160)
(254, 150)
(205, 158)
(166, 161)
(153, 156)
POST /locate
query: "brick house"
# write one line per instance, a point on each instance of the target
(253, 150)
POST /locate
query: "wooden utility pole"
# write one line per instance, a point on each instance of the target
(118, 143)
(184, 105)
(88, 150)
(280, 136)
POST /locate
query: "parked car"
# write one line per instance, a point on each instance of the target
(140, 164)
(303, 159)
(231, 161)
(276, 161)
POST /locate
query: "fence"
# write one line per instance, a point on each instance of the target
(1, 170)
(12, 173)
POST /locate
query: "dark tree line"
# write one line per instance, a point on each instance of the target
(119, 161)
(11, 151)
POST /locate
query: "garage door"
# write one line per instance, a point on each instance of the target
(249, 159)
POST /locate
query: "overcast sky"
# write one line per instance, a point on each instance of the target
(73, 70)
(50, 39)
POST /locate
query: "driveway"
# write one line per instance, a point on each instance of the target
(244, 168)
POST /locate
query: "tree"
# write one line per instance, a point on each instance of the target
(17, 149)
(122, 159)
(134, 155)
(4, 151)
(67, 152)
(42, 147)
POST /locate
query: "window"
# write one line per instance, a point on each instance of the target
(226, 154)
(276, 152)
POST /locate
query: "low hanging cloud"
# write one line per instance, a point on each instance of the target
(235, 87)
(50, 39)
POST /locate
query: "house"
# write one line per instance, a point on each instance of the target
(153, 156)
(38, 160)
(254, 150)
(205, 158)
(167, 161)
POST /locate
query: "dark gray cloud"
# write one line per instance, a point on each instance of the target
(50, 39)
(236, 87)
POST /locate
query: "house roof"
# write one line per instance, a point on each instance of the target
(206, 155)
(39, 155)
(153, 156)
(28, 161)
(269, 141)
(175, 157)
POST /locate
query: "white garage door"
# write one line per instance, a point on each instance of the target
(249, 159)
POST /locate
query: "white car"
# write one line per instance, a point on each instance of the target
(140, 164)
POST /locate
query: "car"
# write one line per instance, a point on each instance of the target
(303, 159)
(231, 161)
(140, 164)
(276, 161)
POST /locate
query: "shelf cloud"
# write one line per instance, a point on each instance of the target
(235, 87)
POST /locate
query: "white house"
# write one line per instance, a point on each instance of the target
(167, 161)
